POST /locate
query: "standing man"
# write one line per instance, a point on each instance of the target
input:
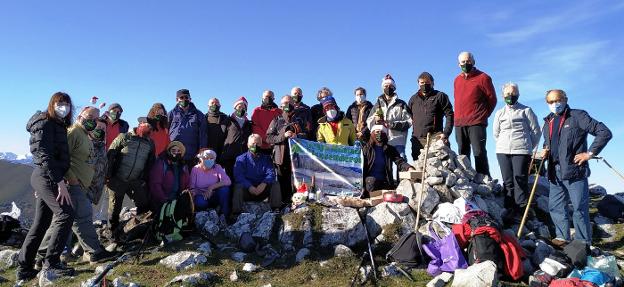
(302, 111)
(429, 107)
(262, 116)
(396, 115)
(358, 112)
(239, 129)
(475, 99)
(216, 128)
(565, 147)
(186, 125)
(114, 125)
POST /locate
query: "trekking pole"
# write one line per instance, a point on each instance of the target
(420, 196)
(611, 167)
(368, 241)
(526, 210)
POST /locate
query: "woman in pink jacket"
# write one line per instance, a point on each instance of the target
(210, 184)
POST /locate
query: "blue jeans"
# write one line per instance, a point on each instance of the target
(576, 191)
(220, 197)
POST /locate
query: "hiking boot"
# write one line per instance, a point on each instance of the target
(559, 243)
(60, 270)
(101, 256)
(38, 263)
(26, 274)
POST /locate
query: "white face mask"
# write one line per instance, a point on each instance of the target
(360, 99)
(331, 114)
(61, 110)
(556, 108)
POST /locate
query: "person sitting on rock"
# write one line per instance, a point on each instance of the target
(254, 178)
(169, 176)
(210, 184)
(378, 159)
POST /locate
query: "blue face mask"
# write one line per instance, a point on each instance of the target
(209, 163)
(556, 108)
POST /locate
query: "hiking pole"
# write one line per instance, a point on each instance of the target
(357, 271)
(420, 196)
(611, 167)
(108, 268)
(368, 242)
(526, 210)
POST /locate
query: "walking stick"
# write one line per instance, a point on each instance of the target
(611, 167)
(526, 210)
(420, 196)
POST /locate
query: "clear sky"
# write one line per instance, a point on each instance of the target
(140, 52)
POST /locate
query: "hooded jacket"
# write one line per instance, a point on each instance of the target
(187, 127)
(275, 135)
(261, 119)
(516, 130)
(396, 114)
(48, 145)
(475, 98)
(391, 156)
(130, 157)
(344, 136)
(429, 112)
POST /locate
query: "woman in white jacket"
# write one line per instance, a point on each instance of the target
(517, 133)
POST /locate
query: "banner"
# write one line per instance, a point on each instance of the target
(330, 169)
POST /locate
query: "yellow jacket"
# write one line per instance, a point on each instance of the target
(345, 136)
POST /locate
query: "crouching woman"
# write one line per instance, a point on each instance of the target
(210, 183)
(169, 176)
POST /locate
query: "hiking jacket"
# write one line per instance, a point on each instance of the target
(162, 179)
(130, 157)
(261, 119)
(275, 135)
(516, 130)
(48, 145)
(475, 98)
(391, 156)
(345, 134)
(252, 170)
(114, 129)
(216, 132)
(358, 114)
(81, 159)
(187, 127)
(396, 115)
(159, 136)
(303, 112)
(573, 131)
(428, 113)
(235, 142)
(94, 192)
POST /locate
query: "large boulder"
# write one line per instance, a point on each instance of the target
(8, 258)
(341, 225)
(264, 226)
(207, 222)
(478, 275)
(183, 260)
(296, 228)
(195, 279)
(389, 217)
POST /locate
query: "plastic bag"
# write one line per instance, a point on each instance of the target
(606, 264)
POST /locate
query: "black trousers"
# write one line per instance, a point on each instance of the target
(371, 184)
(284, 176)
(475, 137)
(49, 214)
(515, 172)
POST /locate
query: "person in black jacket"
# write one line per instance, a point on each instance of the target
(317, 112)
(565, 147)
(238, 130)
(216, 127)
(358, 112)
(428, 108)
(54, 211)
(302, 111)
(286, 126)
(378, 159)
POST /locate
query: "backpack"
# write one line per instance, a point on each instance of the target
(176, 218)
(612, 207)
(405, 251)
(8, 225)
(137, 227)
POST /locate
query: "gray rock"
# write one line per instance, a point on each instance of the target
(234, 276)
(249, 267)
(385, 214)
(440, 280)
(341, 225)
(490, 206)
(47, 278)
(607, 230)
(119, 282)
(302, 254)
(433, 180)
(343, 251)
(205, 248)
(390, 270)
(183, 260)
(434, 161)
(208, 222)
(470, 173)
(264, 226)
(430, 197)
(256, 208)
(239, 256)
(8, 258)
(200, 278)
(478, 275)
(244, 223)
(463, 162)
(289, 232)
(433, 171)
(365, 272)
(483, 189)
(444, 192)
(463, 190)
(597, 190)
(451, 179)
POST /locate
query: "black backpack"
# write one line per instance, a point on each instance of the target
(405, 251)
(482, 247)
(8, 225)
(610, 206)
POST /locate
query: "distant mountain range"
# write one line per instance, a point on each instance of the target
(15, 158)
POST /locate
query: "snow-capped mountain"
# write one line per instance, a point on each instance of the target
(15, 158)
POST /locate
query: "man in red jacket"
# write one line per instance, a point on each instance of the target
(262, 116)
(475, 99)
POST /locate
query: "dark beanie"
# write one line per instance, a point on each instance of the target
(183, 92)
(115, 106)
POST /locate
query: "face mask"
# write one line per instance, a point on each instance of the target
(143, 131)
(267, 101)
(214, 108)
(511, 100)
(378, 137)
(253, 149)
(240, 113)
(175, 157)
(425, 89)
(88, 124)
(61, 110)
(389, 91)
(331, 114)
(160, 118)
(113, 116)
(183, 103)
(98, 134)
(556, 108)
(296, 98)
(287, 108)
(209, 163)
(466, 67)
(360, 99)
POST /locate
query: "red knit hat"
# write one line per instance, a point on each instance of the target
(240, 100)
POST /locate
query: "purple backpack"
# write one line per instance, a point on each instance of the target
(445, 253)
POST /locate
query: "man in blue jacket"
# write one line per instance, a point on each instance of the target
(254, 178)
(565, 147)
(186, 125)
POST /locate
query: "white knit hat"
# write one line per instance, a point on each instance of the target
(387, 80)
(381, 128)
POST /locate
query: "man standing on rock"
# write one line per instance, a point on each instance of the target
(565, 148)
(475, 100)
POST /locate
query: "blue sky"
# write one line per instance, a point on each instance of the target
(141, 52)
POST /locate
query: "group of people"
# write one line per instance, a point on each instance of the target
(226, 159)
